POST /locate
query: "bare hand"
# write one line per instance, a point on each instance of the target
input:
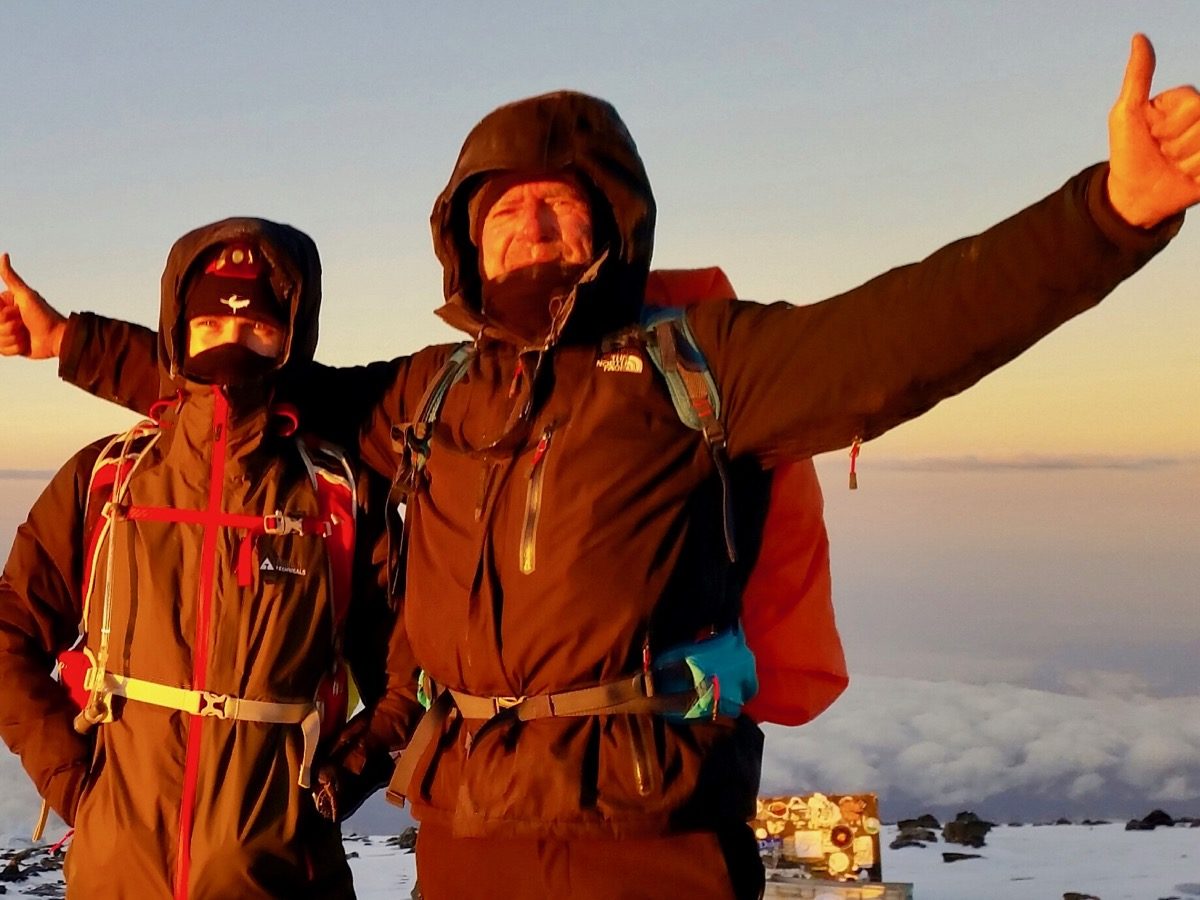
(1154, 144)
(29, 326)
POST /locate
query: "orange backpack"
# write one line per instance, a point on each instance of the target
(787, 605)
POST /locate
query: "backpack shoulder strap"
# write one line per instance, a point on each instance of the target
(108, 486)
(672, 347)
(411, 439)
(332, 476)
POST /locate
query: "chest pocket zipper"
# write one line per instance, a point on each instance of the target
(533, 502)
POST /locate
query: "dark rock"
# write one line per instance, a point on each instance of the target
(1015, 824)
(919, 834)
(353, 854)
(955, 857)
(925, 821)
(1073, 895)
(1138, 825)
(12, 871)
(1158, 817)
(1063, 821)
(405, 840)
(1094, 822)
(904, 841)
(966, 829)
(408, 838)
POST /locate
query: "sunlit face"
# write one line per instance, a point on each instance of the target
(206, 332)
(539, 221)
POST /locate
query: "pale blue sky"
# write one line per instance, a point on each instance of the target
(1041, 529)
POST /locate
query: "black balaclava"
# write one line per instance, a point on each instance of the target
(235, 282)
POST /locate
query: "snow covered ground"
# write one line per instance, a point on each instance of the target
(1018, 863)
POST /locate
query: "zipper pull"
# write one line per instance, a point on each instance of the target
(855, 447)
(543, 445)
(514, 385)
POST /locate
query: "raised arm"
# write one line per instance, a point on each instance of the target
(117, 361)
(803, 380)
(39, 615)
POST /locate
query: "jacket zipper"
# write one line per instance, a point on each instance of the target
(533, 502)
(195, 725)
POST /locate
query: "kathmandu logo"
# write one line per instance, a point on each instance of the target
(269, 567)
(234, 302)
(620, 361)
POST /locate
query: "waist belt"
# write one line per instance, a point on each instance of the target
(629, 695)
(218, 706)
(625, 696)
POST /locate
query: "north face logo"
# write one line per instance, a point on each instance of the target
(270, 567)
(620, 361)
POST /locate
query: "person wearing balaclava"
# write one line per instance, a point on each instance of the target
(205, 580)
(235, 323)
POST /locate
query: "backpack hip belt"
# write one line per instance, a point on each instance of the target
(683, 685)
(218, 706)
(626, 695)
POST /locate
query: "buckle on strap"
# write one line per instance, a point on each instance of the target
(278, 523)
(503, 703)
(218, 706)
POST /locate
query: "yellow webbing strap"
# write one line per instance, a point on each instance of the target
(220, 706)
(39, 827)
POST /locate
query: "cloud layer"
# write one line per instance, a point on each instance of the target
(1001, 750)
(1037, 462)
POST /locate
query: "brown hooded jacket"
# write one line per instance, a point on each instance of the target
(165, 803)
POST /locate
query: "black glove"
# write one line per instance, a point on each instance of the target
(353, 771)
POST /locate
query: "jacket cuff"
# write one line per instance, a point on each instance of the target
(1116, 229)
(79, 331)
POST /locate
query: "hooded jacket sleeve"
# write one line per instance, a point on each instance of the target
(352, 406)
(40, 609)
(114, 360)
(801, 380)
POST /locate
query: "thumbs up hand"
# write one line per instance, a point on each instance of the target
(29, 326)
(1154, 144)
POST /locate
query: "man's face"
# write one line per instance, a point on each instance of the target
(540, 221)
(206, 332)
